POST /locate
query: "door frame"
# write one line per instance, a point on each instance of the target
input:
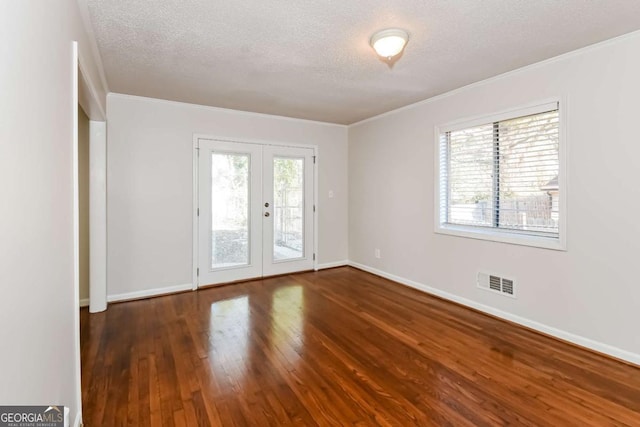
(196, 165)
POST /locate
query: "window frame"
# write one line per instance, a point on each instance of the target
(495, 234)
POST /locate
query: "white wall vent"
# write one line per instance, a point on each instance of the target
(493, 283)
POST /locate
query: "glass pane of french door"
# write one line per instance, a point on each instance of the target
(288, 208)
(229, 209)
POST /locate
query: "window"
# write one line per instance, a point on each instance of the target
(499, 177)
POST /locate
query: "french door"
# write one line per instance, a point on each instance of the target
(255, 210)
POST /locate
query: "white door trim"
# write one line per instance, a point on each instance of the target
(97, 216)
(194, 212)
(196, 146)
(76, 225)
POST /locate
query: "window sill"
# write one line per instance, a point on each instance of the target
(494, 235)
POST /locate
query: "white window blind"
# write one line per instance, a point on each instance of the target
(503, 174)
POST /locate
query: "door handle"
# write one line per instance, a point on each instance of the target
(267, 214)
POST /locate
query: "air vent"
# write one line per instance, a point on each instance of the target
(497, 284)
(494, 283)
(507, 286)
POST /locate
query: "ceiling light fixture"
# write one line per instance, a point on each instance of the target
(388, 43)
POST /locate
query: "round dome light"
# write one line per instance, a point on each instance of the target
(389, 43)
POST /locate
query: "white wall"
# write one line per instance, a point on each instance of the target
(38, 307)
(591, 290)
(149, 184)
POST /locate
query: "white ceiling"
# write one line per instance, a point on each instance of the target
(312, 59)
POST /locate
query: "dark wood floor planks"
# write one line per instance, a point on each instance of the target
(337, 347)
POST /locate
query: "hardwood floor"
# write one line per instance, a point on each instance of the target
(337, 347)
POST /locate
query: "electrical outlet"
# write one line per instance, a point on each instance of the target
(377, 253)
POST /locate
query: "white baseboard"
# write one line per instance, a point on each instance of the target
(332, 264)
(84, 302)
(549, 330)
(150, 293)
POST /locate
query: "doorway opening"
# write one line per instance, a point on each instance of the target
(89, 202)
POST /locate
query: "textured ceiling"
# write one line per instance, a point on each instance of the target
(312, 59)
